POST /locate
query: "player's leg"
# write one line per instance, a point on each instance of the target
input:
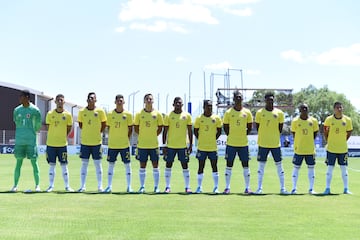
(20, 154)
(276, 153)
(111, 158)
(63, 159)
(330, 162)
(297, 160)
(184, 159)
(142, 156)
(261, 158)
(201, 156)
(96, 153)
(215, 174)
(342, 161)
(169, 159)
(154, 157)
(244, 156)
(125, 157)
(84, 155)
(32, 153)
(310, 161)
(230, 153)
(51, 159)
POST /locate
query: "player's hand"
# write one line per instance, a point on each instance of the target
(164, 151)
(189, 150)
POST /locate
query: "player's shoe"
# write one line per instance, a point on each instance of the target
(141, 190)
(37, 188)
(69, 189)
(14, 189)
(100, 189)
(167, 190)
(346, 191)
(216, 190)
(107, 190)
(156, 190)
(259, 191)
(129, 190)
(226, 191)
(199, 190)
(327, 191)
(311, 192)
(82, 189)
(293, 191)
(248, 191)
(50, 189)
(188, 190)
(284, 192)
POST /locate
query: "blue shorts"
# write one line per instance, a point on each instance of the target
(341, 158)
(181, 153)
(309, 159)
(56, 152)
(142, 154)
(113, 153)
(25, 151)
(202, 155)
(243, 153)
(94, 151)
(264, 152)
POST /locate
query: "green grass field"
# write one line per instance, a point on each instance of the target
(60, 215)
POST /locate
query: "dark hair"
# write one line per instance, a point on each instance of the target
(146, 95)
(236, 93)
(25, 93)
(60, 95)
(119, 96)
(207, 102)
(90, 93)
(269, 94)
(337, 103)
(176, 99)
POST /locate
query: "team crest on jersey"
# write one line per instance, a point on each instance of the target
(310, 124)
(28, 115)
(275, 116)
(244, 115)
(343, 123)
(124, 117)
(213, 120)
(183, 118)
(154, 117)
(63, 118)
(95, 114)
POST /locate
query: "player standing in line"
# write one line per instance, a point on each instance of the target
(269, 123)
(92, 122)
(148, 125)
(304, 129)
(59, 123)
(237, 125)
(337, 130)
(207, 129)
(27, 119)
(120, 123)
(176, 125)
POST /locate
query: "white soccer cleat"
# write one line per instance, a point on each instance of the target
(69, 189)
(37, 188)
(14, 189)
(50, 189)
(82, 189)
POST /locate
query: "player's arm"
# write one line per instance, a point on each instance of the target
(348, 134)
(281, 125)
(68, 129)
(196, 132)
(249, 127)
(190, 134)
(257, 126)
(326, 132)
(218, 132)
(226, 129)
(103, 126)
(159, 130)
(130, 129)
(315, 134)
(164, 135)
(136, 129)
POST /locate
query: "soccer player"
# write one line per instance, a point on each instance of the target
(177, 127)
(59, 123)
(27, 119)
(92, 122)
(120, 123)
(148, 125)
(337, 130)
(237, 125)
(269, 123)
(304, 129)
(207, 129)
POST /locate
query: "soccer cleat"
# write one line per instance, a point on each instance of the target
(226, 191)
(327, 191)
(141, 190)
(37, 188)
(69, 189)
(259, 191)
(284, 192)
(293, 191)
(346, 191)
(156, 190)
(188, 190)
(14, 189)
(311, 192)
(50, 189)
(167, 190)
(248, 191)
(199, 190)
(100, 189)
(216, 190)
(107, 190)
(129, 190)
(82, 189)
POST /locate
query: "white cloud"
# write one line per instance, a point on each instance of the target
(218, 66)
(120, 29)
(344, 56)
(246, 12)
(180, 59)
(158, 26)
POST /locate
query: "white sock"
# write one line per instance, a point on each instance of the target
(142, 176)
(329, 175)
(228, 172)
(295, 176)
(311, 176)
(128, 174)
(83, 172)
(345, 176)
(281, 174)
(65, 174)
(261, 171)
(216, 179)
(156, 175)
(52, 174)
(186, 175)
(167, 177)
(98, 168)
(110, 173)
(200, 179)
(246, 173)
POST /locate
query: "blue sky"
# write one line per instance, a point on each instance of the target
(159, 46)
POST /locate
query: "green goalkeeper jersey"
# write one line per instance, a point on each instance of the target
(28, 122)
